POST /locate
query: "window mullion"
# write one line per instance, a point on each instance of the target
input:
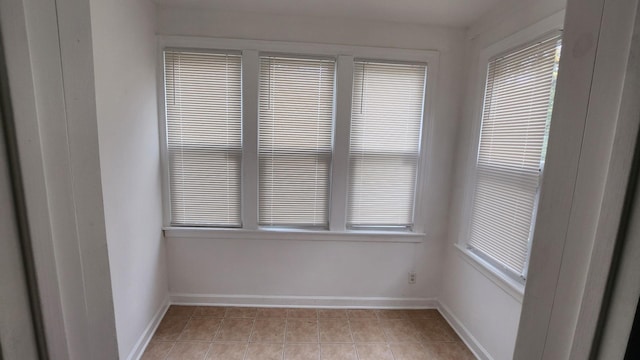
(250, 78)
(342, 130)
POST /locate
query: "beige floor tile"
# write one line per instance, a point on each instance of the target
(434, 329)
(374, 352)
(170, 328)
(227, 351)
(361, 314)
(213, 311)
(392, 314)
(422, 313)
(399, 330)
(241, 312)
(448, 351)
(338, 352)
(271, 313)
(262, 351)
(200, 328)
(180, 310)
(367, 330)
(302, 313)
(302, 331)
(268, 330)
(332, 313)
(302, 352)
(247, 333)
(157, 350)
(234, 330)
(189, 350)
(334, 330)
(409, 351)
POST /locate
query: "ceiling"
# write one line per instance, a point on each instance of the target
(439, 12)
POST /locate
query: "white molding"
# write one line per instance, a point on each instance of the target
(498, 277)
(472, 343)
(301, 48)
(303, 301)
(147, 334)
(293, 234)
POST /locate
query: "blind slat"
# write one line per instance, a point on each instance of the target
(295, 124)
(515, 123)
(203, 114)
(386, 122)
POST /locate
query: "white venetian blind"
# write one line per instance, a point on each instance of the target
(295, 122)
(203, 114)
(515, 121)
(386, 122)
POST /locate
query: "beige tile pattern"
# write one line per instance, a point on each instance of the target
(338, 352)
(189, 350)
(269, 330)
(235, 329)
(246, 333)
(261, 351)
(302, 352)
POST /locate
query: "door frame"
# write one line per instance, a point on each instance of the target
(50, 68)
(590, 156)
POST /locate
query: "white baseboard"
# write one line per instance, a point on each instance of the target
(472, 343)
(303, 301)
(143, 341)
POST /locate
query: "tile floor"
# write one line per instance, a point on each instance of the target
(244, 333)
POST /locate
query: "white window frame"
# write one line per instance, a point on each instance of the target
(344, 55)
(491, 269)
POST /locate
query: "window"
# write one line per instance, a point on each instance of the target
(386, 122)
(510, 159)
(295, 122)
(203, 115)
(305, 138)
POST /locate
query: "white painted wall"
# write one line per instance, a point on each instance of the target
(485, 311)
(327, 268)
(124, 49)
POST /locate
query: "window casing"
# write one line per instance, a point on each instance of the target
(254, 157)
(518, 99)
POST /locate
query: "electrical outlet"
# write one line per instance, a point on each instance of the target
(412, 277)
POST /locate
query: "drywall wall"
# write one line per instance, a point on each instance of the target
(488, 313)
(125, 58)
(205, 270)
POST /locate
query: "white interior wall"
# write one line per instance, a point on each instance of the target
(124, 50)
(486, 312)
(252, 271)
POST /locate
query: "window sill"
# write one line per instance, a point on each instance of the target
(294, 234)
(510, 286)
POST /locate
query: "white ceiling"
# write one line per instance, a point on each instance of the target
(440, 12)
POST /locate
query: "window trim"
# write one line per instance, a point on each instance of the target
(496, 273)
(344, 54)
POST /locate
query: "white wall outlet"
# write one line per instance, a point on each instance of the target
(412, 277)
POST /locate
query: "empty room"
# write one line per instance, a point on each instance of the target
(319, 179)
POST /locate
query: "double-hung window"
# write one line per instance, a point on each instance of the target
(386, 123)
(271, 140)
(295, 122)
(516, 115)
(204, 142)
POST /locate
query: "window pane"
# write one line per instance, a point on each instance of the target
(515, 123)
(386, 122)
(203, 109)
(295, 123)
